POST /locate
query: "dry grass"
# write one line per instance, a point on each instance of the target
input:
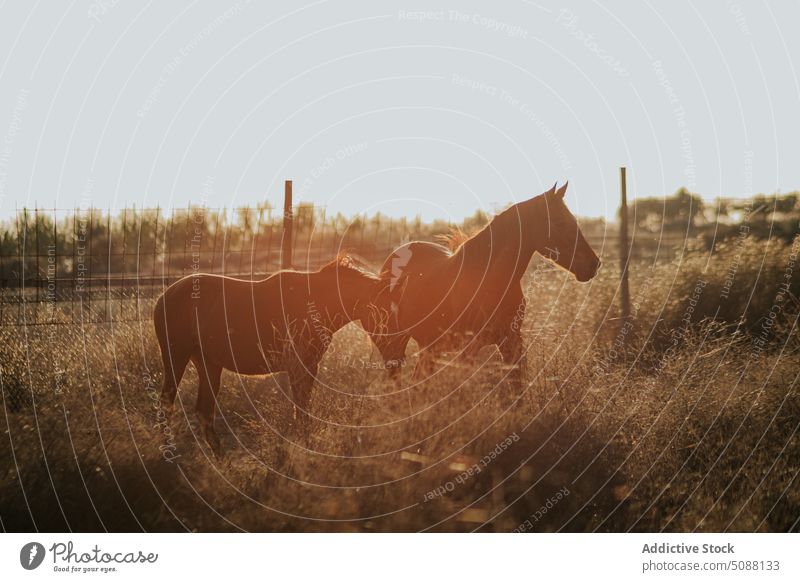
(688, 428)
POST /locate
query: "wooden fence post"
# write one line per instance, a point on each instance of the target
(625, 299)
(288, 220)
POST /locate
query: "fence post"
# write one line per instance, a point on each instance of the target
(271, 219)
(74, 268)
(625, 299)
(20, 273)
(89, 279)
(155, 250)
(288, 220)
(321, 234)
(37, 279)
(55, 259)
(169, 235)
(121, 283)
(244, 214)
(107, 307)
(2, 283)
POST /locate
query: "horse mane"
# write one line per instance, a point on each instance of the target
(457, 238)
(501, 227)
(453, 239)
(351, 264)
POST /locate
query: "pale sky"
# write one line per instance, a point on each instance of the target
(376, 106)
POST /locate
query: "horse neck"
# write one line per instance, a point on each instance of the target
(326, 296)
(501, 248)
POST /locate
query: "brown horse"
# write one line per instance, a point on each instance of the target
(282, 323)
(474, 293)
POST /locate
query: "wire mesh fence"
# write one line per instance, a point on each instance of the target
(70, 266)
(92, 266)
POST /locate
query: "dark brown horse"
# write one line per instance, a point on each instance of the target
(473, 295)
(282, 323)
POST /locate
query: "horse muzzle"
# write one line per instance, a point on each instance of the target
(587, 274)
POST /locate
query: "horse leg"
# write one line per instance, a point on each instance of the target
(509, 336)
(512, 350)
(425, 364)
(210, 376)
(473, 346)
(175, 362)
(394, 355)
(301, 378)
(390, 341)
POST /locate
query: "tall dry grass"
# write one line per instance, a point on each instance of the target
(690, 425)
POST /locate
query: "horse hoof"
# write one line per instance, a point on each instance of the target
(216, 448)
(212, 438)
(300, 437)
(168, 409)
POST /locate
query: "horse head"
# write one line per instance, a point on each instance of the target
(349, 285)
(558, 237)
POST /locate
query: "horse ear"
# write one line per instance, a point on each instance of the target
(563, 190)
(551, 191)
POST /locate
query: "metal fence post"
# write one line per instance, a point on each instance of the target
(288, 220)
(625, 299)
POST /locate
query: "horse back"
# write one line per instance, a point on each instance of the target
(428, 290)
(234, 322)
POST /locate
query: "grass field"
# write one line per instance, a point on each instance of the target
(692, 425)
